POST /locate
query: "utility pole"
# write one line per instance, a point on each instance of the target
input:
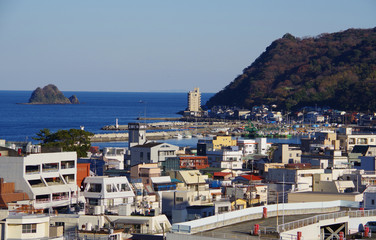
(283, 200)
(277, 207)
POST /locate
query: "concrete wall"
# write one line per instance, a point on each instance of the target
(174, 236)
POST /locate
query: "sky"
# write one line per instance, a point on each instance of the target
(151, 45)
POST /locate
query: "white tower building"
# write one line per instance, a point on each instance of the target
(194, 100)
(136, 134)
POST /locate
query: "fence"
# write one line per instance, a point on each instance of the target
(316, 219)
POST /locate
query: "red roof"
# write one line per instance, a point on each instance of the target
(221, 174)
(254, 178)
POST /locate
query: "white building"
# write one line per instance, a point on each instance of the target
(225, 158)
(106, 193)
(348, 139)
(136, 134)
(114, 157)
(49, 179)
(194, 100)
(152, 152)
(254, 146)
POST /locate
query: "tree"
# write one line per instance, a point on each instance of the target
(69, 140)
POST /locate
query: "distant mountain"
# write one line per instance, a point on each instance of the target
(336, 70)
(50, 94)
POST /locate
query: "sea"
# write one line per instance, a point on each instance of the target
(21, 122)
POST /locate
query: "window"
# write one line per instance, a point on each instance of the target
(29, 228)
(141, 156)
(124, 187)
(222, 209)
(93, 201)
(373, 201)
(110, 188)
(179, 199)
(95, 187)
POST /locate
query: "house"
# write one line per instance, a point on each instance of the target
(254, 146)
(20, 225)
(223, 176)
(106, 193)
(145, 172)
(324, 182)
(286, 153)
(217, 143)
(229, 157)
(152, 152)
(114, 156)
(49, 179)
(302, 178)
(247, 179)
(330, 159)
(370, 197)
(193, 190)
(193, 162)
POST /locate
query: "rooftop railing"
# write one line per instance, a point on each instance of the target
(318, 218)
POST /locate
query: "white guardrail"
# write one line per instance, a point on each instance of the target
(315, 219)
(238, 215)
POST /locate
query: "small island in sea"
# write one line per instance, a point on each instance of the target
(50, 94)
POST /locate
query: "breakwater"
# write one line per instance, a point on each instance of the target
(122, 137)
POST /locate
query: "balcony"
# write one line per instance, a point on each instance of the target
(67, 164)
(42, 199)
(50, 167)
(33, 169)
(60, 196)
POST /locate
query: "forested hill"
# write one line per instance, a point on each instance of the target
(336, 70)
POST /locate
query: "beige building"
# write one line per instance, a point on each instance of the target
(194, 100)
(287, 154)
(300, 197)
(324, 183)
(348, 139)
(29, 226)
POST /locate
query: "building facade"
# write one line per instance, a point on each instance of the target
(194, 100)
(49, 179)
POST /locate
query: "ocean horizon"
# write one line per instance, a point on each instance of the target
(21, 122)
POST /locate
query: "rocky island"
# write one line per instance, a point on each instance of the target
(50, 94)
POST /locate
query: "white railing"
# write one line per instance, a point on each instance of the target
(315, 219)
(228, 218)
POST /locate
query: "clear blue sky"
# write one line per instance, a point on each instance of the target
(157, 45)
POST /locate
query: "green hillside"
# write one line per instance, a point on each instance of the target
(336, 70)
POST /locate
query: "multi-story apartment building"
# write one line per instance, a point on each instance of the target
(49, 179)
(348, 139)
(194, 100)
(152, 152)
(226, 158)
(106, 193)
(254, 146)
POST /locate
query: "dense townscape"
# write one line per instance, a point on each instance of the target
(64, 188)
